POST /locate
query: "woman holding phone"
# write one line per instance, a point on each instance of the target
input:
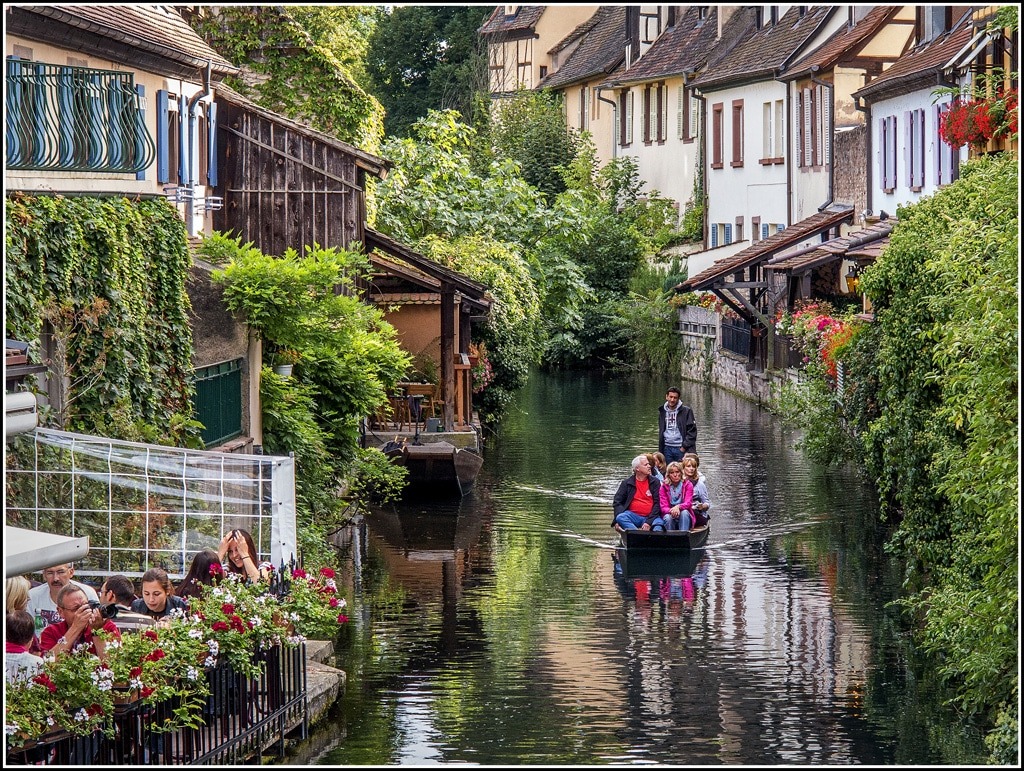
(237, 551)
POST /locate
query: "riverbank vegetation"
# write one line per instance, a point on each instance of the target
(930, 405)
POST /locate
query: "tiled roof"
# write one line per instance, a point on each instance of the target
(683, 47)
(601, 48)
(847, 39)
(154, 28)
(768, 49)
(762, 250)
(407, 298)
(868, 240)
(513, 26)
(920, 63)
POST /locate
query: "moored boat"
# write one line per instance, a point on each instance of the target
(438, 468)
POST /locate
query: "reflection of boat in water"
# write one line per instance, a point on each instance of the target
(437, 534)
(671, 541)
(438, 468)
(658, 563)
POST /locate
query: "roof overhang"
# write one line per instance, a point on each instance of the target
(472, 291)
(716, 276)
(860, 246)
(26, 551)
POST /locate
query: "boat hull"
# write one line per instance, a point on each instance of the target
(437, 468)
(671, 540)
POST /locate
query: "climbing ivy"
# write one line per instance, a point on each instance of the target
(110, 275)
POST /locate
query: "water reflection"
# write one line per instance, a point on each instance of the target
(505, 628)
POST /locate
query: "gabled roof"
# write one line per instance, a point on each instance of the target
(762, 250)
(768, 50)
(377, 166)
(470, 289)
(867, 242)
(921, 66)
(847, 40)
(601, 48)
(155, 29)
(684, 47)
(520, 25)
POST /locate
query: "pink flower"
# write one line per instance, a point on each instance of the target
(216, 569)
(342, 618)
(327, 572)
(334, 602)
(298, 573)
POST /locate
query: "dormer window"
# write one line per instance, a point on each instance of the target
(702, 12)
(511, 10)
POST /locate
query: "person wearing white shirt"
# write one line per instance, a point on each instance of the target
(42, 599)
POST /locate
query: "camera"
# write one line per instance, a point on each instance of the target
(106, 611)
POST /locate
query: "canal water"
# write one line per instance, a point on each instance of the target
(502, 629)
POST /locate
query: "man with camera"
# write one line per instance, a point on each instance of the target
(81, 618)
(42, 599)
(117, 595)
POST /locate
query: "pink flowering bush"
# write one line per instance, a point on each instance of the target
(817, 332)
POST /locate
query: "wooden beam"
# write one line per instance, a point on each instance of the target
(448, 310)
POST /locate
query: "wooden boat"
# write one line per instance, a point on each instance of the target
(438, 468)
(671, 540)
(658, 563)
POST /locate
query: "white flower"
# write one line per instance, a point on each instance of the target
(81, 716)
(214, 647)
(255, 621)
(211, 661)
(192, 673)
(195, 633)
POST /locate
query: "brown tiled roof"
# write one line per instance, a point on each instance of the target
(766, 248)
(154, 28)
(849, 245)
(848, 39)
(766, 50)
(406, 298)
(520, 25)
(684, 47)
(920, 64)
(602, 47)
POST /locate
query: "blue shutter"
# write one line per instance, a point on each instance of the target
(728, 232)
(162, 132)
(212, 146)
(714, 236)
(779, 228)
(764, 230)
(140, 149)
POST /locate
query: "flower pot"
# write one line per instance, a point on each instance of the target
(284, 370)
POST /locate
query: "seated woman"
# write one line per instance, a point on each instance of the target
(676, 499)
(701, 500)
(158, 600)
(200, 574)
(237, 551)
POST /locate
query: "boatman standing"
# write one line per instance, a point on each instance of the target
(677, 430)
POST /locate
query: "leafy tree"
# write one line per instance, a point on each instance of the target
(345, 31)
(530, 128)
(423, 58)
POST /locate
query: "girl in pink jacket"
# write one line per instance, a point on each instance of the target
(676, 499)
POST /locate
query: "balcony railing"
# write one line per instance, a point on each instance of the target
(63, 118)
(242, 719)
(736, 336)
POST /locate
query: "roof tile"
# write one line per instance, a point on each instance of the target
(600, 50)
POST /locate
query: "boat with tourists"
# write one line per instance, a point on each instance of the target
(642, 564)
(667, 540)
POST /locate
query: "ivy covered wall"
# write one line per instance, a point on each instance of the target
(105, 279)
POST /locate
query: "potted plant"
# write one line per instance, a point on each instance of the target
(312, 604)
(284, 360)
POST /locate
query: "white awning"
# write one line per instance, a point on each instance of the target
(26, 551)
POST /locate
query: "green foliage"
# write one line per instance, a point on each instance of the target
(345, 31)
(295, 76)
(373, 477)
(931, 396)
(422, 58)
(530, 128)
(112, 274)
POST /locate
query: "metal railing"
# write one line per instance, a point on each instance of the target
(736, 336)
(242, 718)
(64, 118)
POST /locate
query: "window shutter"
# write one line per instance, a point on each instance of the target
(183, 124)
(694, 115)
(140, 149)
(681, 112)
(799, 123)
(767, 134)
(714, 236)
(662, 113)
(826, 129)
(622, 119)
(806, 127)
(919, 147)
(819, 125)
(883, 152)
(629, 117)
(943, 152)
(893, 176)
(211, 173)
(162, 144)
(728, 232)
(646, 125)
(764, 230)
(908, 147)
(779, 228)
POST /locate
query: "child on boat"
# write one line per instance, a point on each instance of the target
(701, 499)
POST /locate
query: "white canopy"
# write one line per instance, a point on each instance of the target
(26, 551)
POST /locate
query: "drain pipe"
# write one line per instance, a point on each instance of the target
(831, 127)
(615, 120)
(191, 165)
